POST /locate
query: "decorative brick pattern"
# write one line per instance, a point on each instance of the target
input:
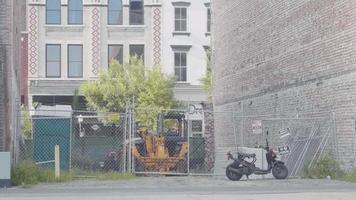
(33, 40)
(95, 34)
(157, 36)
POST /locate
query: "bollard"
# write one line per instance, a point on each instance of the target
(57, 162)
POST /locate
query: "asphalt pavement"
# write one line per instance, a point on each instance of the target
(193, 187)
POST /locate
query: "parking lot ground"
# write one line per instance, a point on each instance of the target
(192, 187)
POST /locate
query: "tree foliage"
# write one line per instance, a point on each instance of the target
(26, 124)
(206, 81)
(123, 84)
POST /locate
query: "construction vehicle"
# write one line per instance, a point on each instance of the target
(164, 151)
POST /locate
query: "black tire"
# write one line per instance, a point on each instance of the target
(231, 175)
(280, 172)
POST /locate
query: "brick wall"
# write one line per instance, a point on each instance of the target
(24, 69)
(283, 58)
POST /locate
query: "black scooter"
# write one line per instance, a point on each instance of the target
(240, 166)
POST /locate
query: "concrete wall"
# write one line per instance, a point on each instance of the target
(286, 58)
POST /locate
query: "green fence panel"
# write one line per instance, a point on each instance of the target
(49, 132)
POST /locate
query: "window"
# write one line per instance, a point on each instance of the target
(116, 53)
(75, 61)
(208, 28)
(75, 12)
(115, 12)
(180, 66)
(136, 12)
(138, 50)
(53, 60)
(196, 128)
(180, 19)
(53, 12)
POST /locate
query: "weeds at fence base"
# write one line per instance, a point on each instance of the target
(27, 173)
(325, 167)
(350, 177)
(101, 175)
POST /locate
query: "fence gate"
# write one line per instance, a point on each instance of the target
(172, 142)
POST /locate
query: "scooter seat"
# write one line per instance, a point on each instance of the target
(249, 155)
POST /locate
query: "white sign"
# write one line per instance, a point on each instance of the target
(195, 112)
(95, 127)
(284, 132)
(257, 127)
(284, 150)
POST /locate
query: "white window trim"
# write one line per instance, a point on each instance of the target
(186, 66)
(187, 31)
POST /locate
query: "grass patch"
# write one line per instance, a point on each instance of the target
(350, 177)
(114, 176)
(27, 173)
(110, 175)
(325, 167)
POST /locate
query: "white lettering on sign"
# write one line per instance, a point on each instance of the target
(194, 109)
(256, 127)
(284, 150)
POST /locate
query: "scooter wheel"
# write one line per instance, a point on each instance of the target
(231, 175)
(280, 172)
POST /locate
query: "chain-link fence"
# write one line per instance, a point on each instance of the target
(89, 142)
(98, 142)
(173, 141)
(299, 141)
(192, 141)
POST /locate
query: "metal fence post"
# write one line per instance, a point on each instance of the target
(242, 124)
(234, 128)
(130, 141)
(57, 161)
(125, 141)
(354, 141)
(188, 140)
(70, 142)
(336, 142)
(133, 165)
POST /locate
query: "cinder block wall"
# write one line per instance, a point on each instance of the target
(284, 58)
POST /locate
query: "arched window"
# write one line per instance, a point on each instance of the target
(114, 12)
(53, 12)
(136, 12)
(75, 12)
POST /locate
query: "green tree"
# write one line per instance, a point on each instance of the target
(26, 124)
(206, 81)
(121, 84)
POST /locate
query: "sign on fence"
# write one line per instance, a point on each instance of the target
(283, 150)
(256, 127)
